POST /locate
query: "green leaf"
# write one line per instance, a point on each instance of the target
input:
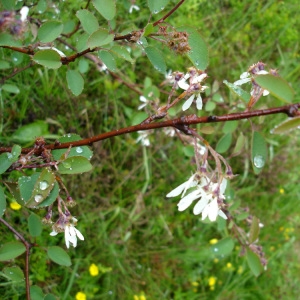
(224, 143)
(75, 82)
(82, 42)
(14, 273)
(2, 202)
(230, 126)
(239, 143)
(259, 152)
(47, 58)
(107, 8)
(75, 165)
(189, 151)
(4, 65)
(41, 6)
(76, 151)
(138, 118)
(99, 38)
(15, 153)
(14, 190)
(88, 21)
(207, 129)
(122, 52)
(29, 132)
(287, 126)
(11, 250)
(238, 91)
(156, 6)
(156, 58)
(108, 60)
(59, 256)
(223, 247)
(10, 88)
(49, 31)
(5, 162)
(253, 263)
(8, 40)
(36, 293)
(254, 230)
(198, 54)
(50, 297)
(148, 29)
(277, 86)
(34, 225)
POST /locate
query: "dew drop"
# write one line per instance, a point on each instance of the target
(38, 198)
(258, 161)
(69, 135)
(79, 150)
(43, 185)
(155, 11)
(9, 155)
(216, 249)
(66, 165)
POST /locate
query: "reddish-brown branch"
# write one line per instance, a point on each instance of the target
(182, 123)
(28, 246)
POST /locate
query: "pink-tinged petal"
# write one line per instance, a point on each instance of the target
(188, 103)
(185, 202)
(199, 102)
(199, 207)
(222, 214)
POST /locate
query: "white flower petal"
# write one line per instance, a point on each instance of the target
(245, 75)
(24, 13)
(262, 72)
(266, 92)
(222, 214)
(199, 102)
(213, 210)
(188, 103)
(53, 233)
(223, 186)
(242, 81)
(67, 237)
(185, 202)
(183, 85)
(198, 208)
(79, 234)
(199, 78)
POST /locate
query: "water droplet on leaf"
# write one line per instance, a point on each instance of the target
(79, 150)
(43, 185)
(38, 198)
(258, 161)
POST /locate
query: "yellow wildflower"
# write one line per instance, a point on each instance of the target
(240, 270)
(212, 282)
(213, 241)
(80, 296)
(195, 283)
(136, 297)
(94, 271)
(281, 191)
(15, 205)
(229, 266)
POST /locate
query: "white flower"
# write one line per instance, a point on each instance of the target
(71, 234)
(132, 7)
(145, 102)
(52, 48)
(194, 87)
(205, 191)
(143, 138)
(247, 77)
(24, 13)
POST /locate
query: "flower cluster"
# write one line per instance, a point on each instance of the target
(210, 196)
(9, 22)
(66, 223)
(193, 86)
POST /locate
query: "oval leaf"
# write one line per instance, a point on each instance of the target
(11, 250)
(224, 143)
(36, 293)
(14, 273)
(223, 247)
(156, 6)
(88, 21)
(75, 82)
(47, 58)
(34, 225)
(59, 256)
(99, 38)
(10, 88)
(287, 126)
(108, 60)
(230, 127)
(254, 230)
(106, 8)
(2, 202)
(239, 143)
(75, 165)
(156, 58)
(49, 31)
(121, 52)
(5, 162)
(277, 86)
(253, 263)
(259, 152)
